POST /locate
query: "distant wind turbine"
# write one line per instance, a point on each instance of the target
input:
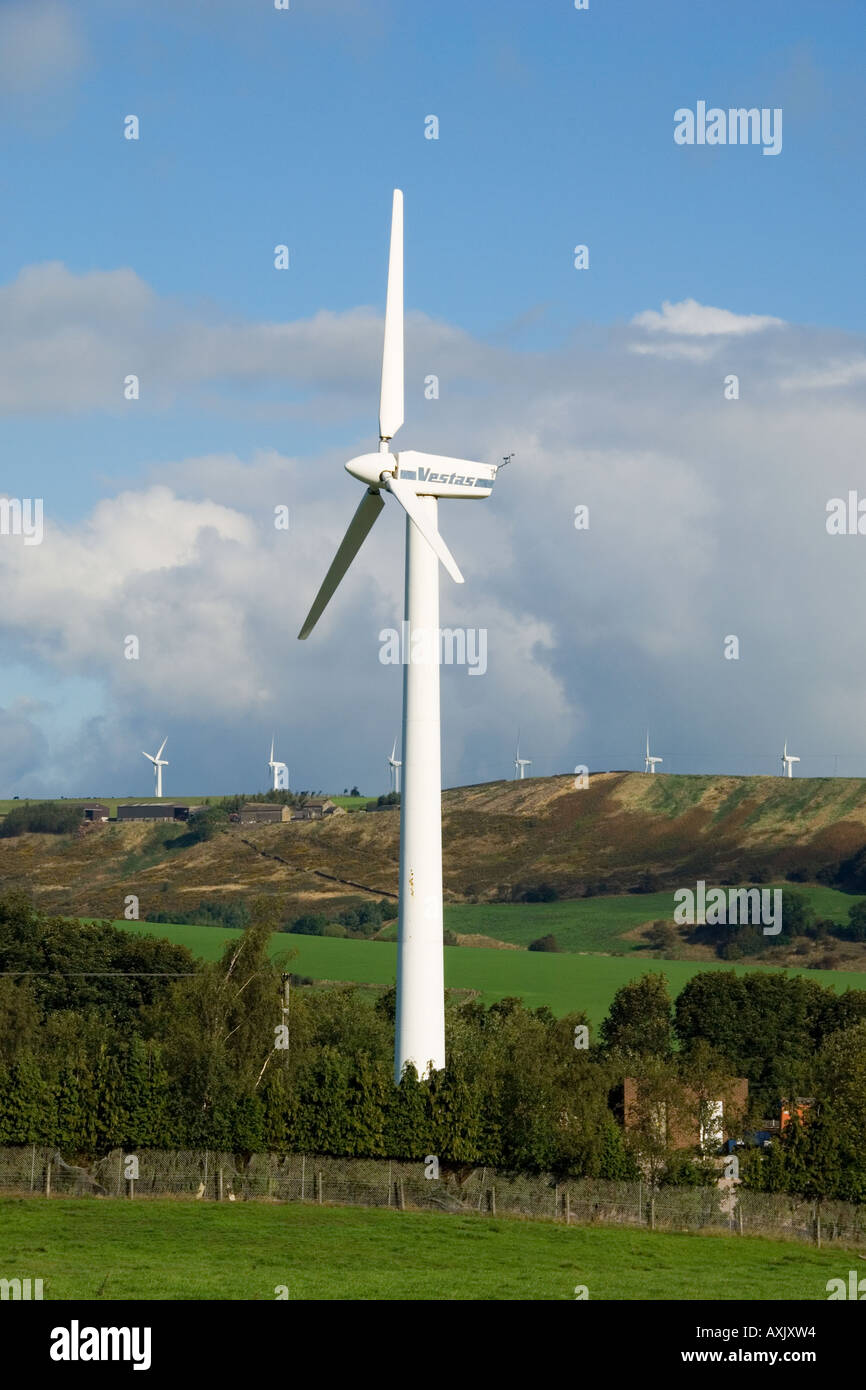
(159, 762)
(394, 765)
(788, 761)
(279, 783)
(650, 764)
(520, 763)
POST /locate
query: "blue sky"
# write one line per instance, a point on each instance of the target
(261, 127)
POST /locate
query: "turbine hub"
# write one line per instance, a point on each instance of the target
(367, 468)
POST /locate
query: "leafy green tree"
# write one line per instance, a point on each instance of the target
(638, 1022)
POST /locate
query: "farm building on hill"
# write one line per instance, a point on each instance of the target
(315, 809)
(263, 812)
(153, 810)
(94, 812)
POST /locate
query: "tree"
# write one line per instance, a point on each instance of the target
(638, 1022)
(856, 929)
(310, 924)
(661, 936)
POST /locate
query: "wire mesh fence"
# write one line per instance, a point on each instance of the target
(426, 1186)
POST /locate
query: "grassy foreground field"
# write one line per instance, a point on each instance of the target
(111, 1249)
(563, 982)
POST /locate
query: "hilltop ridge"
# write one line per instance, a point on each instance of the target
(625, 832)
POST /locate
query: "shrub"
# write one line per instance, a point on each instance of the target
(544, 943)
(543, 893)
(309, 924)
(41, 818)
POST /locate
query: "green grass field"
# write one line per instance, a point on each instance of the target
(563, 982)
(596, 924)
(111, 1249)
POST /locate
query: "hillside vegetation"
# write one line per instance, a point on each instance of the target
(503, 841)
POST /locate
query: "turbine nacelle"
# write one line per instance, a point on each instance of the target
(428, 475)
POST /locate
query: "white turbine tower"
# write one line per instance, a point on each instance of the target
(520, 763)
(394, 765)
(788, 761)
(415, 481)
(278, 783)
(650, 764)
(159, 762)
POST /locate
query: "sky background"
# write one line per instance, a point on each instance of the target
(156, 257)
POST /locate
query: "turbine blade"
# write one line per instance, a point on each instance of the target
(409, 502)
(148, 756)
(391, 395)
(164, 742)
(370, 507)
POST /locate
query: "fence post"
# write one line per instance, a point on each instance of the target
(219, 1184)
(46, 1187)
(390, 1182)
(303, 1173)
(652, 1209)
(639, 1202)
(401, 1194)
(567, 1206)
(555, 1200)
(319, 1188)
(492, 1201)
(740, 1217)
(33, 1168)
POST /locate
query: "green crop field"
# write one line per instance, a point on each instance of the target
(112, 1249)
(563, 982)
(596, 924)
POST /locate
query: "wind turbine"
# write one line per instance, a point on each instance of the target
(275, 769)
(520, 763)
(395, 764)
(650, 764)
(788, 761)
(159, 762)
(416, 482)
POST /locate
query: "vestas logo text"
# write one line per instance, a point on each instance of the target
(76, 1343)
(424, 475)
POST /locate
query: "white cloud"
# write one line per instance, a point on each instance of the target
(838, 372)
(68, 340)
(707, 518)
(688, 318)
